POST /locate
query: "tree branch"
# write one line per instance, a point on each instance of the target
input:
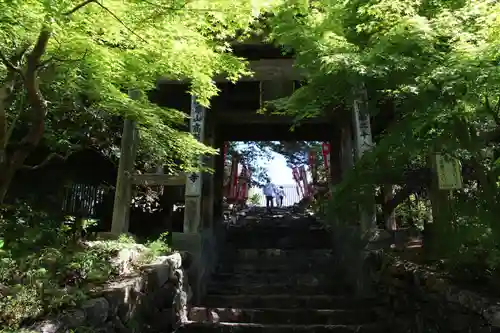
(10, 66)
(120, 21)
(87, 2)
(49, 159)
(78, 7)
(54, 58)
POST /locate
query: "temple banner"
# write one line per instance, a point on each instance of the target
(449, 173)
(362, 126)
(312, 165)
(193, 181)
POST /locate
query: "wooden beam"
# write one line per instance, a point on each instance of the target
(152, 179)
(264, 70)
(252, 117)
(273, 132)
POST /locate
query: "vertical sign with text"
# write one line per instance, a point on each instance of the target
(192, 212)
(363, 143)
(362, 127)
(449, 173)
(193, 181)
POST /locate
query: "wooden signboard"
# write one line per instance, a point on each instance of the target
(449, 172)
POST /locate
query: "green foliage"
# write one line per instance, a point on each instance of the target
(255, 199)
(43, 267)
(96, 53)
(431, 73)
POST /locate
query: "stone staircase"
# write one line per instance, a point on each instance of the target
(276, 276)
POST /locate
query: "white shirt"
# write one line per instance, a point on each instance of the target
(280, 192)
(269, 190)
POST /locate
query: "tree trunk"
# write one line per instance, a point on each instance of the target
(38, 107)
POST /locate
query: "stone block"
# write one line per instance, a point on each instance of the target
(147, 294)
(96, 311)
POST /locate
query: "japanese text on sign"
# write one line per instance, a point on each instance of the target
(197, 119)
(449, 173)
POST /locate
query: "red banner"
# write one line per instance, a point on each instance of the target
(244, 180)
(233, 183)
(325, 149)
(312, 159)
(312, 165)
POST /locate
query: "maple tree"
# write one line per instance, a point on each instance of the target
(66, 57)
(431, 72)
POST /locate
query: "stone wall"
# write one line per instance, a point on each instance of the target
(153, 299)
(204, 248)
(425, 301)
(418, 299)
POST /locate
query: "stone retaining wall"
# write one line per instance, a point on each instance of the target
(418, 299)
(151, 300)
(425, 301)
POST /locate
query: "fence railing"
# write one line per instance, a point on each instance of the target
(83, 199)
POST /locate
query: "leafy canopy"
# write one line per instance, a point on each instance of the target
(99, 50)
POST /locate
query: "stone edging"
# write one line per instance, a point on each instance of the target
(158, 286)
(400, 271)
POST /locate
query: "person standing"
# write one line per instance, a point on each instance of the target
(269, 192)
(280, 193)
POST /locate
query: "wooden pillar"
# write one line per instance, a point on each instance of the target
(123, 190)
(194, 180)
(363, 142)
(346, 146)
(390, 220)
(208, 185)
(219, 180)
(446, 177)
(336, 158)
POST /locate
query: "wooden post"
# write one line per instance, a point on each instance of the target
(123, 191)
(335, 158)
(208, 204)
(446, 177)
(192, 215)
(346, 150)
(363, 143)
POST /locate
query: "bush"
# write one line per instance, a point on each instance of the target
(45, 267)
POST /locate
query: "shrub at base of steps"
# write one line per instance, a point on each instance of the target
(153, 298)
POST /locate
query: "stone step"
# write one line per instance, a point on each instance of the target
(264, 268)
(252, 256)
(273, 226)
(277, 230)
(283, 244)
(253, 288)
(284, 301)
(271, 253)
(319, 239)
(223, 327)
(285, 275)
(284, 316)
